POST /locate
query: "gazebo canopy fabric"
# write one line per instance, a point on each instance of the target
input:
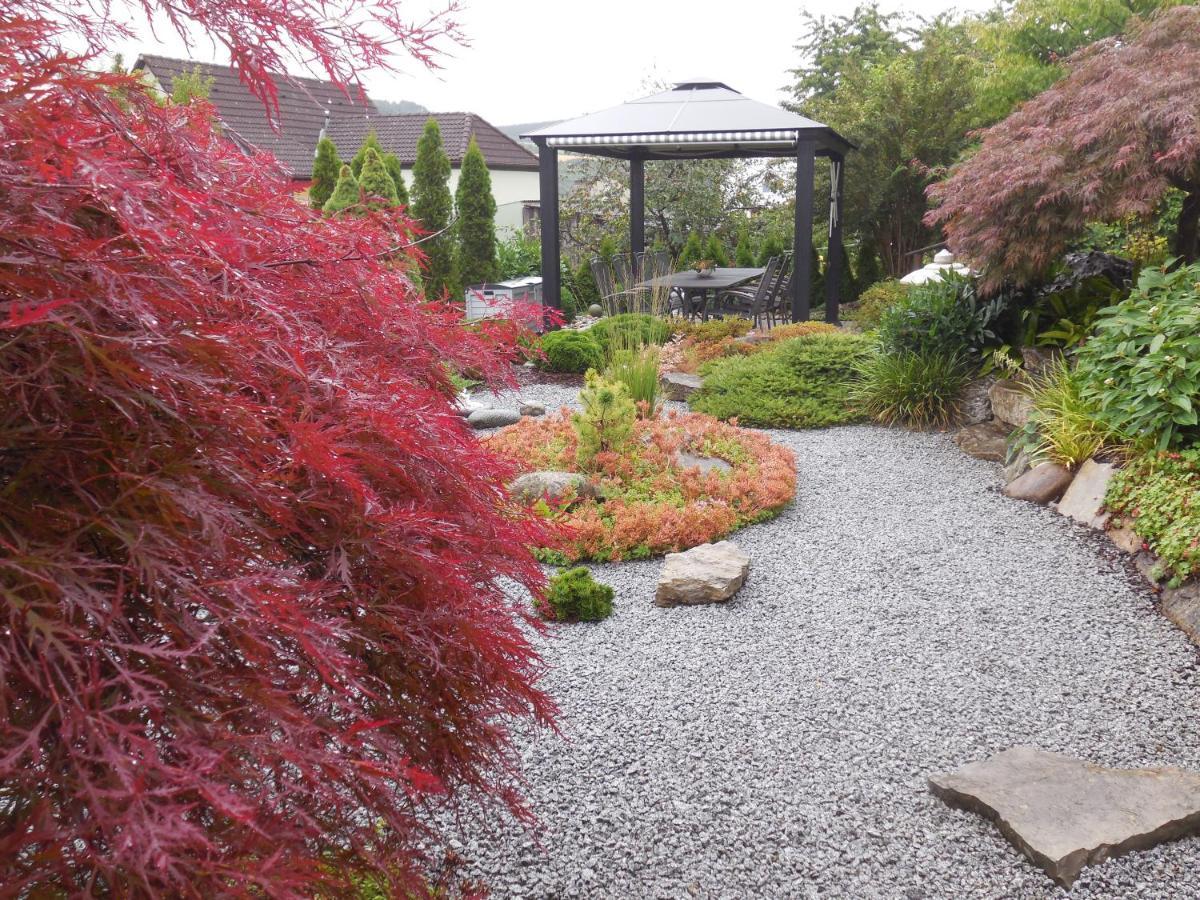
(699, 119)
(693, 117)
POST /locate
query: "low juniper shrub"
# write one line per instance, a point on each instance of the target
(575, 596)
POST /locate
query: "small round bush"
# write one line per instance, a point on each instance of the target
(575, 596)
(570, 351)
(875, 300)
(920, 390)
(630, 329)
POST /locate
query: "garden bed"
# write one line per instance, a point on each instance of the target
(684, 480)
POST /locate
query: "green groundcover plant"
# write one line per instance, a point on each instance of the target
(575, 596)
(802, 383)
(1142, 366)
(1159, 493)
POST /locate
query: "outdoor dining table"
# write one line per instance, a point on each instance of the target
(693, 285)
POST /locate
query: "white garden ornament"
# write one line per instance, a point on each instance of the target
(943, 261)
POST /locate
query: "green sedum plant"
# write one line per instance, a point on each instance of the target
(1142, 366)
(575, 596)
(570, 351)
(605, 424)
(800, 383)
(1160, 493)
(919, 389)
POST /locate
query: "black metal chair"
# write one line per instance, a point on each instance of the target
(623, 271)
(780, 307)
(602, 274)
(753, 304)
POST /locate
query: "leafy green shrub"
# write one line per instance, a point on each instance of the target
(1160, 492)
(1142, 367)
(875, 300)
(605, 424)
(800, 383)
(1064, 423)
(943, 317)
(570, 351)
(918, 389)
(626, 330)
(518, 254)
(575, 596)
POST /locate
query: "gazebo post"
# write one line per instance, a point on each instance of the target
(637, 204)
(806, 152)
(833, 265)
(548, 212)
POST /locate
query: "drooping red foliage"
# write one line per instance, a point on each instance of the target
(253, 622)
(1105, 142)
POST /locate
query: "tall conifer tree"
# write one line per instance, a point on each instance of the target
(326, 168)
(431, 207)
(476, 226)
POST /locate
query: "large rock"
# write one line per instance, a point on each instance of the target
(493, 418)
(705, 464)
(1085, 497)
(710, 573)
(1182, 606)
(1039, 359)
(975, 406)
(551, 486)
(1011, 402)
(465, 404)
(1021, 463)
(1065, 813)
(1125, 538)
(532, 408)
(1041, 484)
(987, 440)
(680, 385)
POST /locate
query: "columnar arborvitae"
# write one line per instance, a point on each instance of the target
(772, 246)
(345, 193)
(370, 142)
(476, 225)
(692, 252)
(743, 255)
(376, 184)
(326, 167)
(392, 162)
(431, 208)
(714, 251)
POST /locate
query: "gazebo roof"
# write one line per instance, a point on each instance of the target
(699, 117)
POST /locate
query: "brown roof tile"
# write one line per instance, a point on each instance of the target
(302, 104)
(399, 134)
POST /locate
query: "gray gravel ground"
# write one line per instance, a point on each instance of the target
(901, 617)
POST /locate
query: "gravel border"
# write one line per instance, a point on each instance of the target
(901, 617)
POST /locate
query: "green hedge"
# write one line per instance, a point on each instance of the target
(802, 383)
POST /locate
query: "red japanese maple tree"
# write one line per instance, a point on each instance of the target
(1105, 142)
(255, 574)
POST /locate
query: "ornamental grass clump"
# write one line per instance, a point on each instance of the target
(917, 389)
(1141, 368)
(1064, 423)
(575, 596)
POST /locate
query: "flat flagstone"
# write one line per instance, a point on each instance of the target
(1065, 813)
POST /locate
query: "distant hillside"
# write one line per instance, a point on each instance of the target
(397, 107)
(515, 131)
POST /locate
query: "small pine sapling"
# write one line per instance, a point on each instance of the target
(605, 424)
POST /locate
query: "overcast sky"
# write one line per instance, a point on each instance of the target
(532, 60)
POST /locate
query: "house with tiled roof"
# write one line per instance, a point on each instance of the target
(513, 168)
(308, 105)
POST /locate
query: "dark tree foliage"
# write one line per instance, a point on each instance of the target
(476, 225)
(431, 207)
(1105, 142)
(392, 162)
(326, 168)
(251, 561)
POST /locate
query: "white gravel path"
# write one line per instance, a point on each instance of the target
(901, 617)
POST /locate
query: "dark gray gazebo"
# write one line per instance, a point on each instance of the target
(700, 119)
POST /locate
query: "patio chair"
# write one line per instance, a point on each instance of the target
(623, 271)
(779, 308)
(753, 304)
(602, 274)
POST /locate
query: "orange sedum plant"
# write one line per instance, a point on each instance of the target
(648, 503)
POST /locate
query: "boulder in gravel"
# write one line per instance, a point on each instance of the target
(1085, 497)
(1065, 813)
(987, 441)
(1011, 402)
(493, 418)
(710, 573)
(680, 385)
(465, 404)
(1182, 606)
(705, 464)
(550, 485)
(531, 408)
(1041, 484)
(1020, 464)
